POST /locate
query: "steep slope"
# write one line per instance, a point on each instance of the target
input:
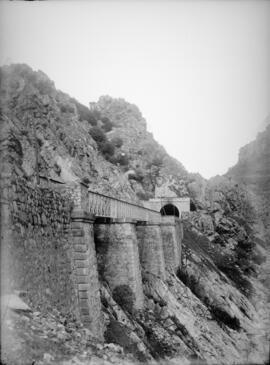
(253, 170)
(215, 309)
(54, 135)
(148, 163)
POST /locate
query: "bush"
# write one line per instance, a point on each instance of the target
(124, 296)
(66, 108)
(117, 142)
(224, 317)
(143, 195)
(107, 148)
(96, 114)
(98, 135)
(157, 161)
(44, 86)
(189, 280)
(122, 159)
(85, 113)
(107, 124)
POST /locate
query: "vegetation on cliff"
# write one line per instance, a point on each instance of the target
(209, 310)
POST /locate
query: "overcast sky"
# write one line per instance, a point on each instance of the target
(198, 70)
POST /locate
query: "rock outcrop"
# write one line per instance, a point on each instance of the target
(216, 308)
(253, 171)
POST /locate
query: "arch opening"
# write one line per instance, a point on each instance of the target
(169, 209)
(192, 206)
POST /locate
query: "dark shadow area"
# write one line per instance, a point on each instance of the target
(192, 206)
(169, 209)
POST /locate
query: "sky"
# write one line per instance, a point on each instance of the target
(199, 71)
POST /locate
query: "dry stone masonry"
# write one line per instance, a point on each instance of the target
(59, 251)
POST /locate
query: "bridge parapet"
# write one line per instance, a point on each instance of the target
(105, 206)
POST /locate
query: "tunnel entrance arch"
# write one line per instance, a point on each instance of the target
(169, 209)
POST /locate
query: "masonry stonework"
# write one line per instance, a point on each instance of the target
(151, 248)
(171, 237)
(118, 256)
(38, 250)
(86, 276)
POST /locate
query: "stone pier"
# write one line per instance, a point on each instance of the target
(150, 248)
(118, 255)
(86, 275)
(171, 237)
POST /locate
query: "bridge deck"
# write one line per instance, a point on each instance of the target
(105, 206)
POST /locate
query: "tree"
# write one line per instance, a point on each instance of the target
(98, 135)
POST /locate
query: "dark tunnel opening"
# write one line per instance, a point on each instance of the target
(192, 206)
(169, 209)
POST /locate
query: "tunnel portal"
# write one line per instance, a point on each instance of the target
(169, 209)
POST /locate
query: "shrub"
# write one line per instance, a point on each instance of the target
(85, 113)
(44, 86)
(107, 148)
(66, 108)
(96, 114)
(124, 296)
(107, 124)
(157, 161)
(221, 316)
(97, 134)
(189, 280)
(117, 142)
(122, 159)
(143, 195)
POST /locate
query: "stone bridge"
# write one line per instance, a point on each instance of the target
(118, 240)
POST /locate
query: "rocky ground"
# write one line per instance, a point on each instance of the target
(36, 338)
(211, 324)
(216, 309)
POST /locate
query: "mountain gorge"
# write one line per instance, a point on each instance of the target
(215, 308)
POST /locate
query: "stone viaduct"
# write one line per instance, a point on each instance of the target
(123, 238)
(58, 240)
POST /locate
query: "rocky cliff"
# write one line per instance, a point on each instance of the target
(253, 171)
(216, 308)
